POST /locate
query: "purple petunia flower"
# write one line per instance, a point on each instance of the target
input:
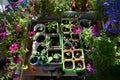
(16, 25)
(16, 59)
(95, 31)
(15, 75)
(90, 68)
(76, 29)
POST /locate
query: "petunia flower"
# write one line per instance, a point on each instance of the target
(15, 75)
(31, 33)
(13, 47)
(20, 1)
(76, 29)
(95, 31)
(16, 59)
(90, 68)
(16, 25)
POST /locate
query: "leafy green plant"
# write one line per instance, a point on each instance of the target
(54, 56)
(52, 26)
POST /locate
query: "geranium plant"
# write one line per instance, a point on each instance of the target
(14, 38)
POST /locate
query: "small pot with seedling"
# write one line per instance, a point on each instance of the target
(52, 27)
(75, 37)
(65, 26)
(55, 55)
(67, 36)
(68, 44)
(67, 54)
(79, 65)
(76, 44)
(39, 28)
(68, 65)
(78, 53)
(53, 40)
(34, 59)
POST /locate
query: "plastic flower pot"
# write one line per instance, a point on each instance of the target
(39, 28)
(78, 53)
(68, 45)
(34, 60)
(68, 65)
(79, 65)
(52, 27)
(54, 41)
(39, 37)
(75, 37)
(67, 36)
(76, 44)
(40, 48)
(84, 23)
(56, 55)
(67, 54)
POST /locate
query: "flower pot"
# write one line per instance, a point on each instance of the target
(67, 54)
(68, 65)
(39, 28)
(43, 60)
(78, 53)
(67, 44)
(67, 36)
(34, 60)
(84, 23)
(39, 37)
(76, 44)
(79, 65)
(54, 41)
(75, 37)
(53, 53)
(52, 27)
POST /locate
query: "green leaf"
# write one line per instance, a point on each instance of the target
(57, 56)
(49, 59)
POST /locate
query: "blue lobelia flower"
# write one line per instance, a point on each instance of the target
(109, 29)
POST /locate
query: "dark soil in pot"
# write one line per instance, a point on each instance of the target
(40, 38)
(40, 48)
(68, 64)
(75, 36)
(78, 64)
(68, 55)
(77, 54)
(55, 40)
(76, 44)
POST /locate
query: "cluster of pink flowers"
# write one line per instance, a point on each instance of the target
(77, 29)
(90, 68)
(31, 33)
(14, 47)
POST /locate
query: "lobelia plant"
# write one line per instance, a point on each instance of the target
(14, 38)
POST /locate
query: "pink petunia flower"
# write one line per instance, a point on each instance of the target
(20, 1)
(31, 33)
(13, 47)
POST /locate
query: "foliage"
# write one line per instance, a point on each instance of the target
(52, 26)
(14, 38)
(100, 50)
